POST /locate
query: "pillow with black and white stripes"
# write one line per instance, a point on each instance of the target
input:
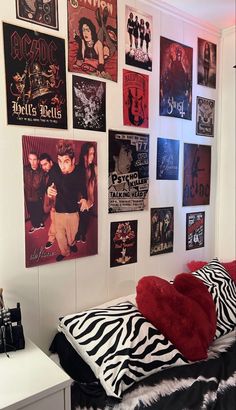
(119, 345)
(223, 291)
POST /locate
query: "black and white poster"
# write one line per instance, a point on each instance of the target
(167, 159)
(205, 117)
(162, 230)
(123, 249)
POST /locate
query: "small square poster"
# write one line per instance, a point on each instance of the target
(123, 250)
(195, 226)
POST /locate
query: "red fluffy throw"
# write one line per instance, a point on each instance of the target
(230, 267)
(184, 312)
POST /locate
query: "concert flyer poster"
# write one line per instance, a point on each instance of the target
(162, 230)
(197, 174)
(138, 38)
(123, 248)
(205, 117)
(89, 104)
(195, 225)
(42, 12)
(167, 159)
(135, 99)
(206, 63)
(128, 171)
(35, 78)
(176, 62)
(93, 38)
(40, 167)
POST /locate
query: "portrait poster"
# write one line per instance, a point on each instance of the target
(92, 38)
(42, 12)
(138, 38)
(123, 249)
(206, 66)
(176, 61)
(197, 174)
(167, 159)
(135, 99)
(73, 207)
(195, 226)
(35, 78)
(128, 171)
(89, 104)
(205, 117)
(162, 230)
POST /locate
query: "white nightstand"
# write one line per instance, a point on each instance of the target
(30, 380)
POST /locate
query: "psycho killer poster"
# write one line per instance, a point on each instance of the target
(35, 78)
(128, 171)
(135, 99)
(176, 62)
(42, 12)
(123, 249)
(162, 230)
(195, 226)
(205, 117)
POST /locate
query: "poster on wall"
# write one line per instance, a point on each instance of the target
(205, 117)
(89, 104)
(123, 249)
(195, 225)
(138, 38)
(176, 62)
(162, 230)
(135, 99)
(197, 174)
(167, 159)
(60, 197)
(92, 38)
(42, 12)
(128, 171)
(35, 78)
(206, 63)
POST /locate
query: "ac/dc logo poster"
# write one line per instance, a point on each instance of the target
(176, 62)
(197, 174)
(205, 117)
(167, 159)
(89, 104)
(135, 99)
(206, 63)
(60, 196)
(195, 225)
(92, 37)
(123, 249)
(162, 230)
(42, 12)
(35, 78)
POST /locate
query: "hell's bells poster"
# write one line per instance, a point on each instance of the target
(162, 230)
(205, 117)
(42, 12)
(206, 68)
(60, 192)
(35, 78)
(123, 249)
(135, 99)
(195, 226)
(92, 38)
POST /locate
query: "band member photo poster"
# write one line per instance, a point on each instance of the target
(128, 171)
(176, 61)
(42, 12)
(205, 117)
(197, 174)
(206, 63)
(89, 104)
(92, 38)
(195, 226)
(35, 78)
(138, 38)
(60, 193)
(162, 230)
(167, 159)
(135, 99)
(123, 248)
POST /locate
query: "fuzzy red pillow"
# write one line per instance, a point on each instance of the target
(230, 267)
(184, 312)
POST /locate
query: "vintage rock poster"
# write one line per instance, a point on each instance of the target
(92, 37)
(205, 117)
(197, 174)
(135, 99)
(162, 230)
(42, 12)
(195, 226)
(138, 38)
(35, 78)
(167, 159)
(123, 249)
(128, 171)
(206, 63)
(89, 104)
(176, 62)
(60, 197)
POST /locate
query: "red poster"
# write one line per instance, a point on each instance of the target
(135, 99)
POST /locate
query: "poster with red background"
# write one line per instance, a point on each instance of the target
(135, 99)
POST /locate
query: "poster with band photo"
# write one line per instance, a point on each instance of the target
(162, 230)
(123, 248)
(42, 12)
(195, 227)
(167, 159)
(205, 117)
(206, 67)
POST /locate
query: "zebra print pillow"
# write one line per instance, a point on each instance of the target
(223, 291)
(120, 345)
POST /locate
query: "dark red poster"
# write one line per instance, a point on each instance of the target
(135, 99)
